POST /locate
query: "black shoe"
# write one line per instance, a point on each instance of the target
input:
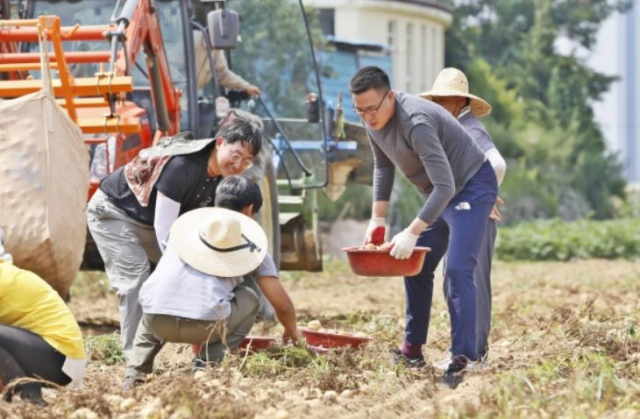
(199, 364)
(458, 363)
(131, 382)
(455, 373)
(452, 378)
(409, 361)
(35, 400)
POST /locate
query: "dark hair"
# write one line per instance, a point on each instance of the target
(240, 129)
(238, 192)
(370, 77)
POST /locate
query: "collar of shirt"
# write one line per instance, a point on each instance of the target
(464, 111)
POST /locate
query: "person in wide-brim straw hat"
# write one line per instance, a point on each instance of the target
(219, 242)
(451, 91)
(452, 83)
(204, 289)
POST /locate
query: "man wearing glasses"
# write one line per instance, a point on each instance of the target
(436, 154)
(130, 215)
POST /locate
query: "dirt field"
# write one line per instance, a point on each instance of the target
(564, 343)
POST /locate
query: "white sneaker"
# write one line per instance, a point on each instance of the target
(481, 364)
(444, 364)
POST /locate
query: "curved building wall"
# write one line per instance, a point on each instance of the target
(413, 30)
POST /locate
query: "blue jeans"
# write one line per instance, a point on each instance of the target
(458, 232)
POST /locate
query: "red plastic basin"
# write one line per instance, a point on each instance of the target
(257, 343)
(380, 263)
(330, 340)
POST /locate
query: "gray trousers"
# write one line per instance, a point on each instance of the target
(215, 337)
(482, 277)
(126, 246)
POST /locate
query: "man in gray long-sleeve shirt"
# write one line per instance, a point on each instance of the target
(437, 155)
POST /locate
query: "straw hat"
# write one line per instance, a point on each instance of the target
(219, 242)
(453, 82)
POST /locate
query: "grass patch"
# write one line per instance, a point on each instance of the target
(280, 361)
(105, 349)
(587, 366)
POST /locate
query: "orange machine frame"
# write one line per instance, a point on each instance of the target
(87, 100)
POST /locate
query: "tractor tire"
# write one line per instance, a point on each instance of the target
(91, 261)
(269, 215)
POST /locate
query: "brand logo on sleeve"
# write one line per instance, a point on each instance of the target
(463, 206)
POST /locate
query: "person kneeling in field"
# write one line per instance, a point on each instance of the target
(39, 337)
(196, 294)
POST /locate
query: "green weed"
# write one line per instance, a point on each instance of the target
(105, 349)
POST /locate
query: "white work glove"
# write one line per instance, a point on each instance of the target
(373, 225)
(403, 244)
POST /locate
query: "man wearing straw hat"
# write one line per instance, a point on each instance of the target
(195, 294)
(448, 168)
(451, 91)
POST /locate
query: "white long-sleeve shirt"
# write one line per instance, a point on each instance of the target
(479, 133)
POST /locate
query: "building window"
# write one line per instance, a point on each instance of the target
(434, 53)
(424, 65)
(391, 34)
(328, 22)
(409, 56)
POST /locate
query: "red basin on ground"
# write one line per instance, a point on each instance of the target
(330, 340)
(380, 263)
(257, 343)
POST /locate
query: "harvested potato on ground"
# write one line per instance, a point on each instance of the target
(314, 325)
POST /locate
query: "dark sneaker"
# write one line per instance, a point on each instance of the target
(455, 372)
(458, 363)
(199, 364)
(131, 382)
(409, 361)
(35, 400)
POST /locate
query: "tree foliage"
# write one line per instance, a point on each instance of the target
(276, 56)
(542, 120)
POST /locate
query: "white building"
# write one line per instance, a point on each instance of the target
(618, 53)
(413, 30)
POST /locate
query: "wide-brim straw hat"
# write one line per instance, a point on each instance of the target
(219, 242)
(453, 82)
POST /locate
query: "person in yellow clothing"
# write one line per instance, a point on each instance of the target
(39, 337)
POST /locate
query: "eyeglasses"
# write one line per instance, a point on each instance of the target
(237, 159)
(371, 111)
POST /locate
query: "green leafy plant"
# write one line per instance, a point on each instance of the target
(558, 240)
(105, 349)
